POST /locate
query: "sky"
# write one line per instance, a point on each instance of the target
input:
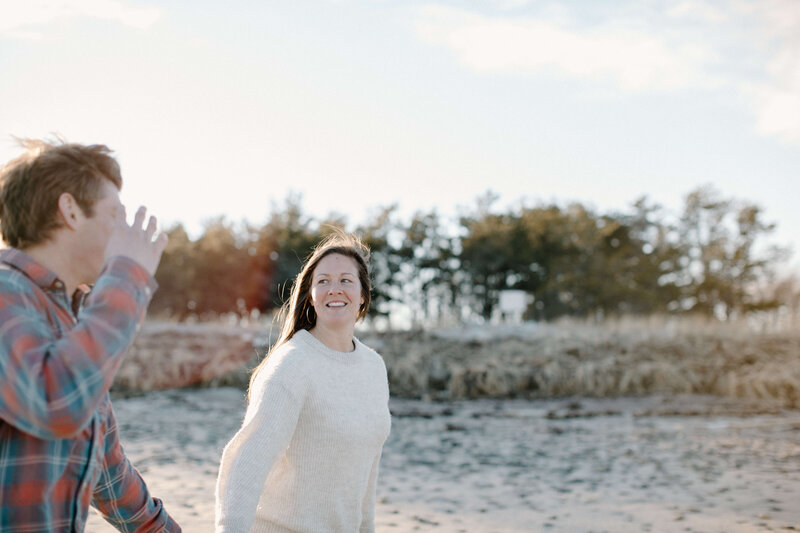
(225, 108)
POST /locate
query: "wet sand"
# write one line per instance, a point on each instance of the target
(652, 464)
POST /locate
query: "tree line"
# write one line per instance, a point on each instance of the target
(712, 258)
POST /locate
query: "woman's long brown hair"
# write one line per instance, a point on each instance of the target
(297, 313)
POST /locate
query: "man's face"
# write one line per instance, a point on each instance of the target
(95, 231)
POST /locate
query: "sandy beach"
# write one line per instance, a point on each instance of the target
(650, 464)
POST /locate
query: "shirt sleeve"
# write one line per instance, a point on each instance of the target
(121, 495)
(50, 386)
(267, 430)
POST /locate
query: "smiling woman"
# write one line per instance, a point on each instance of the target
(329, 275)
(337, 300)
(306, 457)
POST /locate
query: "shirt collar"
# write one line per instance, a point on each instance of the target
(39, 274)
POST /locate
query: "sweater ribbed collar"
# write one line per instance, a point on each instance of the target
(306, 338)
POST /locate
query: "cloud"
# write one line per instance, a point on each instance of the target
(751, 47)
(511, 4)
(634, 60)
(777, 101)
(776, 97)
(779, 18)
(698, 11)
(25, 20)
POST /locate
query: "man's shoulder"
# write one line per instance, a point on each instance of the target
(12, 279)
(18, 291)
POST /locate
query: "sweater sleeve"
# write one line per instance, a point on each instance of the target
(266, 432)
(368, 506)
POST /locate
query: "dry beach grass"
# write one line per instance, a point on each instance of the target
(630, 357)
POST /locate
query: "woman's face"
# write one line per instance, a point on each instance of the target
(336, 292)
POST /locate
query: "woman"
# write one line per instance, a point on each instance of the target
(306, 457)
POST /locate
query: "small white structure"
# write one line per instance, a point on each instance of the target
(512, 306)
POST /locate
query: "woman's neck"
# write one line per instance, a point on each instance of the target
(341, 341)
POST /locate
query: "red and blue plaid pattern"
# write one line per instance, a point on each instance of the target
(59, 444)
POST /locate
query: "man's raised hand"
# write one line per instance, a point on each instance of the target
(136, 241)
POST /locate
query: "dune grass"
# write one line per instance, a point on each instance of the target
(626, 357)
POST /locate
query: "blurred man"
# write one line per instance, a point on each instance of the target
(60, 344)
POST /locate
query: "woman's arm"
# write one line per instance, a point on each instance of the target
(368, 505)
(247, 459)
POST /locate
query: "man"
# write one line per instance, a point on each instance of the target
(60, 344)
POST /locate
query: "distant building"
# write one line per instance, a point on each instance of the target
(511, 306)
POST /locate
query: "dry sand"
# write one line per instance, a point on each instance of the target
(652, 464)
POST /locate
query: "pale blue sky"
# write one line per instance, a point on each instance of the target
(222, 109)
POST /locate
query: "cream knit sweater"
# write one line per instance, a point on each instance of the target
(306, 457)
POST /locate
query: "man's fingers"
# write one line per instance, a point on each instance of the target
(138, 221)
(160, 243)
(142, 244)
(152, 224)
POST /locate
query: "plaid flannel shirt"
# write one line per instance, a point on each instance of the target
(59, 444)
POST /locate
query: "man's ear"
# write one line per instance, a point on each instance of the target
(69, 211)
